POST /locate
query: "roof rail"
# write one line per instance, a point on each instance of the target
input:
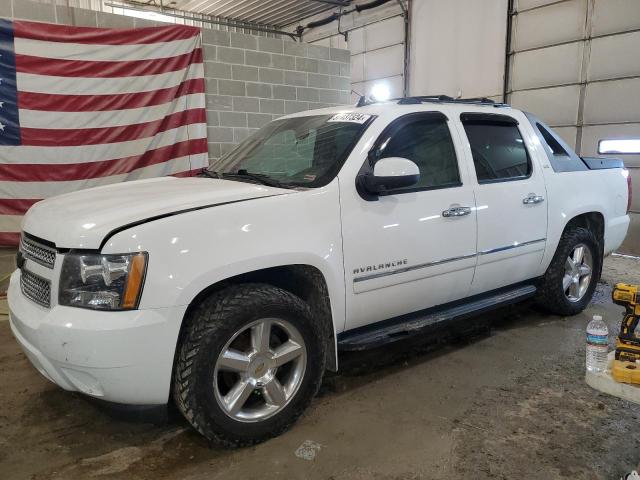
(448, 99)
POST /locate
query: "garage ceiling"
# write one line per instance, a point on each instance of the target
(266, 12)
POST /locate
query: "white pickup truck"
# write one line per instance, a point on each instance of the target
(328, 230)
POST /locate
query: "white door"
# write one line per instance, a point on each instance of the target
(510, 200)
(401, 253)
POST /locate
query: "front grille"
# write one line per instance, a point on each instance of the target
(35, 288)
(39, 253)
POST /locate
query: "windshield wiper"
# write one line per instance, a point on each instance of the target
(209, 173)
(257, 177)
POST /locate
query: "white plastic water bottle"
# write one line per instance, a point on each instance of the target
(597, 345)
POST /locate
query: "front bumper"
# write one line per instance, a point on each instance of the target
(124, 357)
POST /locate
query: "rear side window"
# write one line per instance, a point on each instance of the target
(425, 140)
(497, 147)
(561, 156)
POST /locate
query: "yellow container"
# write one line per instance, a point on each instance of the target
(625, 372)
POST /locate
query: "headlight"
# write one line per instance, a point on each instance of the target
(102, 282)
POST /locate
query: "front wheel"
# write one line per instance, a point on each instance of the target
(568, 285)
(250, 363)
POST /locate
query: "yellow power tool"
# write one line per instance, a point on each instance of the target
(626, 366)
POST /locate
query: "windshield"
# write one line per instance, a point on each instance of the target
(298, 152)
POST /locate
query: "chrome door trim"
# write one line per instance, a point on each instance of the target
(412, 267)
(512, 246)
(445, 260)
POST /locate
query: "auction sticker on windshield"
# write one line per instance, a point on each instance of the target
(349, 117)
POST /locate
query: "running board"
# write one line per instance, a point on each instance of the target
(426, 321)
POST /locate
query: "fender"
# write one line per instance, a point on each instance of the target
(194, 250)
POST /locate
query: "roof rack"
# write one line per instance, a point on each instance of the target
(362, 101)
(448, 99)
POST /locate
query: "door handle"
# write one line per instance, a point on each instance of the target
(456, 211)
(532, 199)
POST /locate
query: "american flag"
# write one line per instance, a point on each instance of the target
(82, 107)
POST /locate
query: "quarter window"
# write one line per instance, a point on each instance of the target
(554, 146)
(498, 149)
(425, 140)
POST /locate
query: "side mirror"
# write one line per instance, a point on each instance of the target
(391, 173)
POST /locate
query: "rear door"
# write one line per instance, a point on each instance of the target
(510, 200)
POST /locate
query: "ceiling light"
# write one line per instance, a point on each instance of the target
(380, 92)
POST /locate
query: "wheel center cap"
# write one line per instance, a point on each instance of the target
(259, 367)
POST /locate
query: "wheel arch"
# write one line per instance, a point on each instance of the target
(303, 280)
(552, 291)
(593, 221)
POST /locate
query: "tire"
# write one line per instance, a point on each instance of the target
(552, 295)
(229, 321)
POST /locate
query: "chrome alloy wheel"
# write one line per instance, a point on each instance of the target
(578, 269)
(260, 370)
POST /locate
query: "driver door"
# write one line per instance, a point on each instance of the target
(402, 253)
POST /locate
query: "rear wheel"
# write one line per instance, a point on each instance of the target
(570, 280)
(249, 364)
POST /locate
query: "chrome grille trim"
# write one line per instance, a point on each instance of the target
(35, 288)
(39, 253)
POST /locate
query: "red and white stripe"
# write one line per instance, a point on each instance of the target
(99, 106)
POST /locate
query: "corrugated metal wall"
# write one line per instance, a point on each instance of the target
(576, 64)
(376, 41)
(458, 47)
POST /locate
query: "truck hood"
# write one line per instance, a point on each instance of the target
(83, 219)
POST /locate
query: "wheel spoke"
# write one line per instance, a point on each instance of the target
(286, 352)
(260, 334)
(569, 265)
(274, 393)
(578, 255)
(574, 289)
(566, 282)
(585, 270)
(233, 361)
(237, 396)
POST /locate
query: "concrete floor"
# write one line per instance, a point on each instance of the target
(506, 402)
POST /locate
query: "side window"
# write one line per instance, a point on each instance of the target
(498, 149)
(426, 141)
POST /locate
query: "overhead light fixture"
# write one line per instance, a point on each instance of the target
(148, 15)
(380, 92)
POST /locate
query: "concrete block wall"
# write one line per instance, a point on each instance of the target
(250, 80)
(253, 80)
